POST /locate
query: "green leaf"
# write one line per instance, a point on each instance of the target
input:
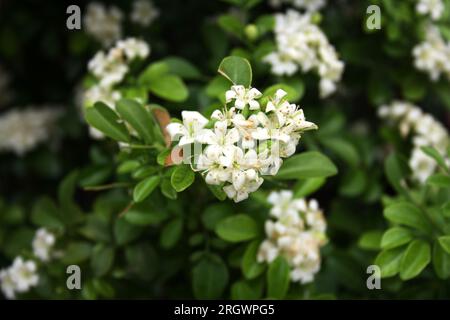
(416, 257)
(167, 189)
(370, 240)
(404, 213)
(182, 177)
(310, 164)
(237, 70)
(214, 213)
(217, 191)
(232, 25)
(152, 73)
(413, 88)
(142, 261)
(171, 233)
(46, 214)
(249, 265)
(128, 166)
(217, 87)
(125, 232)
(444, 241)
(209, 277)
(246, 290)
(396, 169)
(101, 117)
(102, 259)
(306, 187)
(144, 188)
(395, 237)
(441, 261)
(170, 88)
(433, 153)
(343, 149)
(183, 68)
(143, 215)
(446, 210)
(76, 252)
(439, 180)
(278, 278)
(389, 261)
(237, 228)
(138, 117)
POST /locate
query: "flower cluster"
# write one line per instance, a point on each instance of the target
(43, 243)
(22, 130)
(247, 140)
(110, 69)
(20, 277)
(433, 55)
(297, 233)
(103, 23)
(302, 44)
(308, 5)
(143, 12)
(433, 8)
(425, 131)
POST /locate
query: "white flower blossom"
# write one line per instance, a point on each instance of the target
(433, 8)
(8, 285)
(243, 146)
(302, 45)
(110, 69)
(43, 243)
(243, 97)
(143, 12)
(433, 54)
(104, 24)
(20, 277)
(308, 5)
(134, 48)
(23, 130)
(425, 131)
(297, 232)
(193, 124)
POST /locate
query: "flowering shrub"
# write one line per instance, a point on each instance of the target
(237, 149)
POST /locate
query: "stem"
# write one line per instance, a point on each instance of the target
(108, 186)
(125, 210)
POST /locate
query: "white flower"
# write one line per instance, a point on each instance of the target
(271, 129)
(302, 44)
(8, 285)
(308, 5)
(23, 130)
(297, 233)
(425, 131)
(23, 274)
(104, 24)
(220, 137)
(99, 93)
(242, 147)
(434, 8)
(243, 97)
(143, 12)
(42, 244)
(134, 48)
(281, 64)
(110, 69)
(433, 54)
(193, 123)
